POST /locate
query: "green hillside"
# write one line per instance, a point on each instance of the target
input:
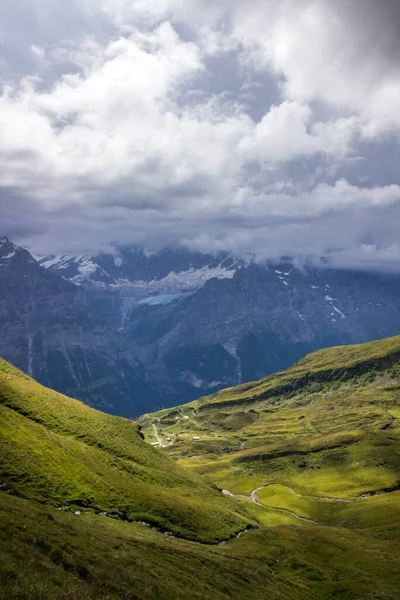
(321, 440)
(60, 452)
(310, 458)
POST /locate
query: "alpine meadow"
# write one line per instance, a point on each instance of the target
(288, 486)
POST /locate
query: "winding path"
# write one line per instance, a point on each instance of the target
(254, 497)
(323, 498)
(159, 440)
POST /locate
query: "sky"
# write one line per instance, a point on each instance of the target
(260, 126)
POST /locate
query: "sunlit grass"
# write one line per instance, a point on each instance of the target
(60, 452)
(328, 427)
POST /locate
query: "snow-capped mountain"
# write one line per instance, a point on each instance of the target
(200, 322)
(12, 256)
(259, 321)
(48, 329)
(78, 269)
(170, 268)
(185, 323)
(135, 277)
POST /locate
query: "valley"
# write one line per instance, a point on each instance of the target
(287, 487)
(319, 442)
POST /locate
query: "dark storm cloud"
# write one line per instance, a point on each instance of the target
(379, 23)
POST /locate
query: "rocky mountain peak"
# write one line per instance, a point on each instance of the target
(177, 324)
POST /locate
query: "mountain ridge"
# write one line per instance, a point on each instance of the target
(49, 329)
(186, 324)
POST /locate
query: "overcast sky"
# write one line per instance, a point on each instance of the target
(259, 126)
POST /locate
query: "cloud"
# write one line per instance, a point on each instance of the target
(344, 53)
(120, 122)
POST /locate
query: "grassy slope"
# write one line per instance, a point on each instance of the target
(82, 457)
(58, 451)
(47, 554)
(327, 427)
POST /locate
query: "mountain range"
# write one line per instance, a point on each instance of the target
(132, 331)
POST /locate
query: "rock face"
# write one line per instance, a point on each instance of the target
(144, 331)
(260, 321)
(48, 330)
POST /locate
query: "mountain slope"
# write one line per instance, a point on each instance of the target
(200, 323)
(259, 321)
(145, 331)
(320, 441)
(66, 469)
(59, 451)
(48, 329)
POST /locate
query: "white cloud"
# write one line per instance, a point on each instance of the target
(116, 127)
(120, 117)
(288, 131)
(37, 52)
(344, 53)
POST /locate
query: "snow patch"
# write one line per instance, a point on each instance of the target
(175, 286)
(87, 268)
(283, 280)
(83, 264)
(162, 299)
(343, 316)
(174, 282)
(52, 261)
(195, 278)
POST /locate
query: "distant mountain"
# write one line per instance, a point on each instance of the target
(48, 329)
(259, 321)
(187, 324)
(130, 264)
